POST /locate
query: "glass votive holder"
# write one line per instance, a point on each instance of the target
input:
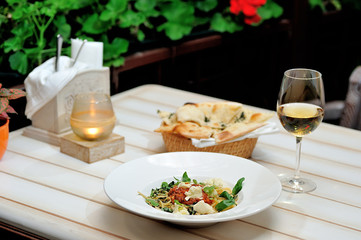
(92, 117)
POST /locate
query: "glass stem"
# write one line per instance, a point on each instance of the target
(298, 157)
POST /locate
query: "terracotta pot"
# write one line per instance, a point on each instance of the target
(4, 136)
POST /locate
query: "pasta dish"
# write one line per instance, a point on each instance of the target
(189, 197)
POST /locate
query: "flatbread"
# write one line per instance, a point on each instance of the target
(223, 121)
(235, 131)
(193, 130)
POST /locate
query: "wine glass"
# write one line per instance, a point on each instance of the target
(300, 110)
(92, 117)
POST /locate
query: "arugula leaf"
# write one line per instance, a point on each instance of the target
(224, 204)
(152, 202)
(152, 192)
(238, 187)
(165, 186)
(185, 178)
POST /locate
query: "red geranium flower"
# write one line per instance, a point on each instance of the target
(253, 19)
(249, 9)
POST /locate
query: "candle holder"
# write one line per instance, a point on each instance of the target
(92, 117)
(92, 121)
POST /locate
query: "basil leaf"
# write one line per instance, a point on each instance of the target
(238, 187)
(152, 202)
(208, 190)
(185, 177)
(226, 195)
(224, 204)
(165, 186)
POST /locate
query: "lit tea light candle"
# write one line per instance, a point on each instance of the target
(92, 131)
(92, 117)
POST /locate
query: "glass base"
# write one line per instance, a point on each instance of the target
(297, 185)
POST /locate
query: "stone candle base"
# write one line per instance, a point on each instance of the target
(91, 151)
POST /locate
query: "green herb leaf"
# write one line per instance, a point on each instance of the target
(226, 195)
(238, 186)
(185, 178)
(240, 118)
(208, 190)
(224, 204)
(152, 202)
(165, 186)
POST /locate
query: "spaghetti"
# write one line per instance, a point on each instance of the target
(190, 197)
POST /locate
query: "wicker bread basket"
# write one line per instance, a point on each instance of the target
(177, 143)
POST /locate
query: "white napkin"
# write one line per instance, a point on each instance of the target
(43, 83)
(269, 128)
(91, 53)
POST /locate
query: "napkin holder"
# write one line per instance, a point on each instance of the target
(52, 121)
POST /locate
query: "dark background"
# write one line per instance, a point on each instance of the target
(248, 66)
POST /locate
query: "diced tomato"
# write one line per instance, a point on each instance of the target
(177, 193)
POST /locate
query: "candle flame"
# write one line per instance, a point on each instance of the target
(92, 131)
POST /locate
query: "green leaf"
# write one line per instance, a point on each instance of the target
(115, 48)
(106, 15)
(208, 190)
(145, 5)
(119, 61)
(117, 5)
(224, 24)
(270, 10)
(62, 27)
(175, 31)
(179, 12)
(224, 204)
(206, 5)
(114, 8)
(18, 61)
(238, 187)
(22, 32)
(152, 202)
(164, 186)
(131, 18)
(185, 177)
(94, 25)
(17, 14)
(226, 195)
(315, 3)
(140, 35)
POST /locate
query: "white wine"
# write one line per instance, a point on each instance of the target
(300, 118)
(92, 125)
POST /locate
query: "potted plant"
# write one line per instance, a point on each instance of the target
(5, 108)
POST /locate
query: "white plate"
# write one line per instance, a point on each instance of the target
(261, 187)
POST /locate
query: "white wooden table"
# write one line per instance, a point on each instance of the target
(55, 196)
